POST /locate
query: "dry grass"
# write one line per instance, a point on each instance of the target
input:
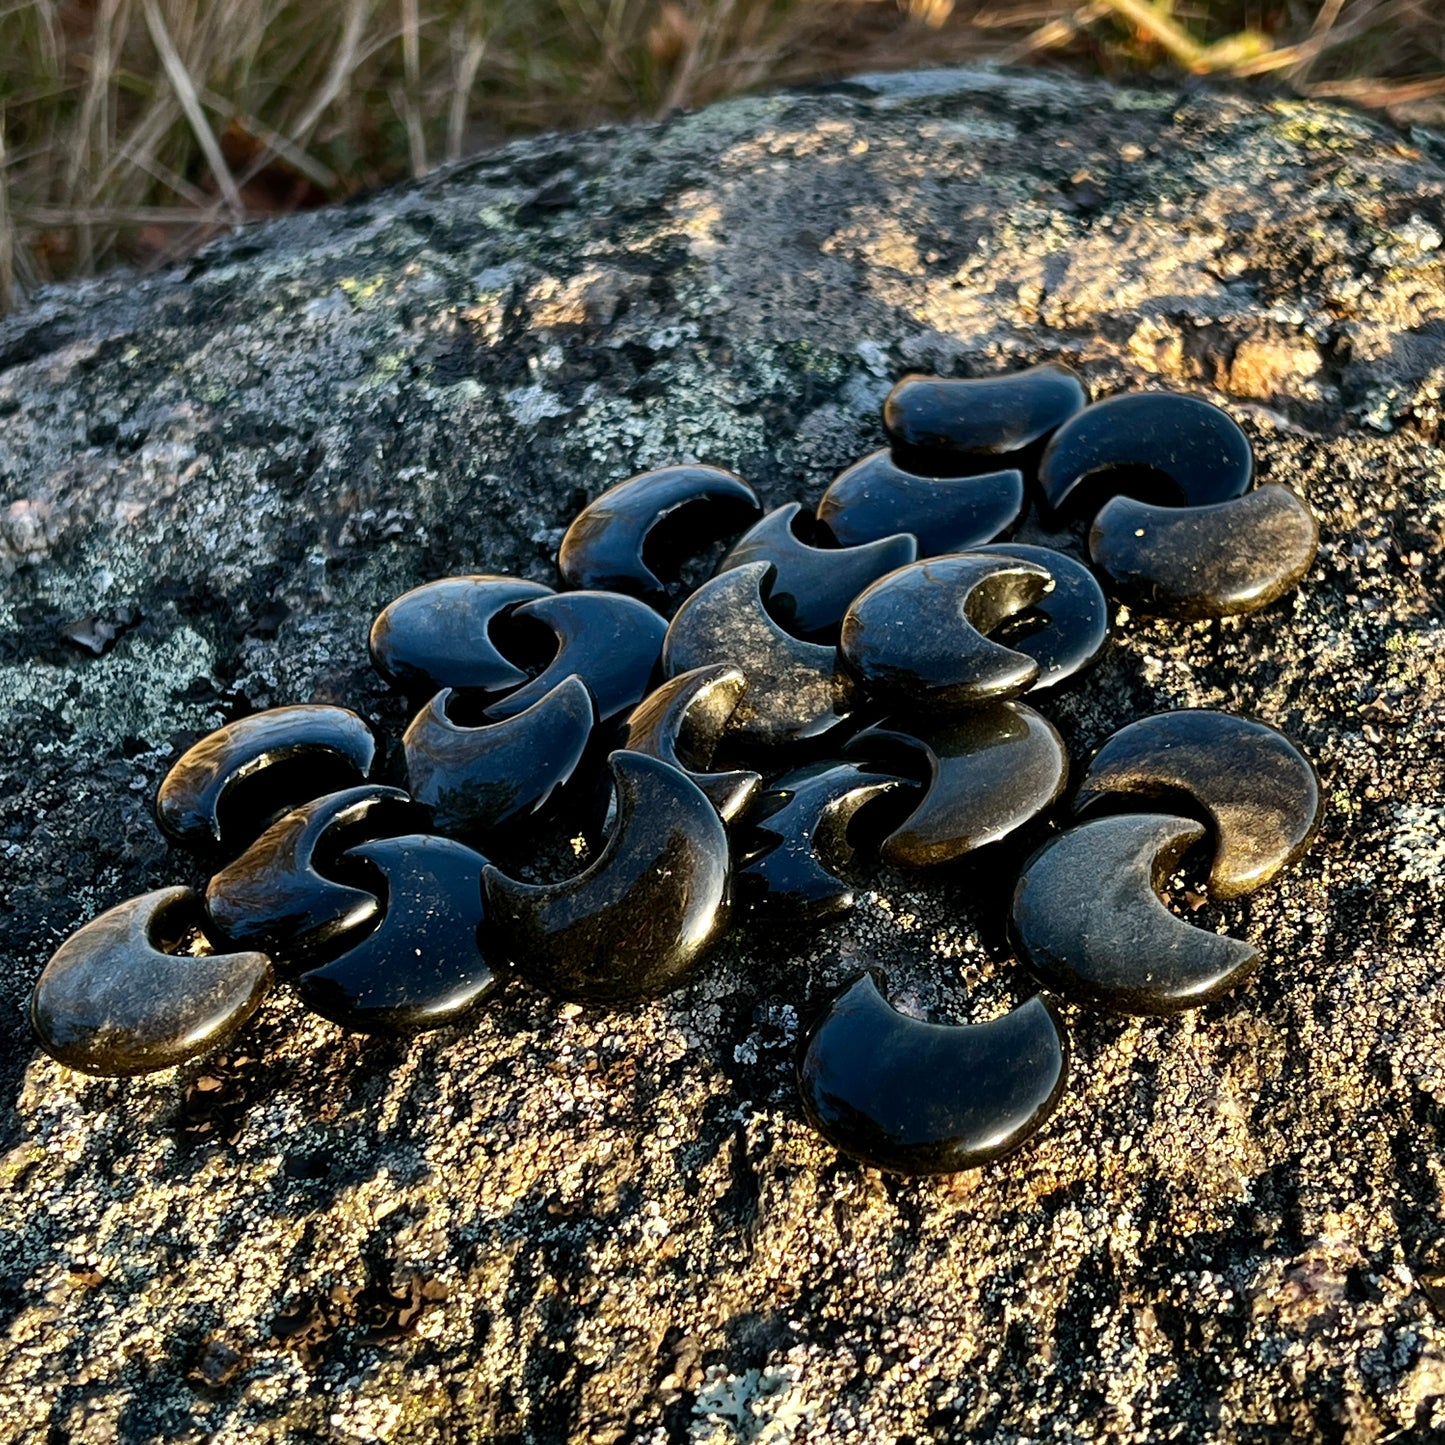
(132, 129)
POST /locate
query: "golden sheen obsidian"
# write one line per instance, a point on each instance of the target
(949, 420)
(911, 1097)
(1258, 792)
(474, 780)
(916, 638)
(278, 897)
(989, 771)
(229, 787)
(439, 635)
(607, 546)
(644, 915)
(1217, 561)
(796, 689)
(1090, 924)
(115, 999)
(423, 965)
(800, 833)
(812, 586)
(610, 641)
(683, 722)
(876, 498)
(1154, 444)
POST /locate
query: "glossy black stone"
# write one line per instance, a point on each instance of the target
(1066, 629)
(648, 910)
(990, 771)
(916, 638)
(956, 419)
(423, 965)
(610, 641)
(607, 546)
(278, 896)
(1217, 561)
(796, 690)
(911, 1097)
(476, 779)
(1258, 792)
(1156, 444)
(683, 722)
(812, 586)
(798, 837)
(439, 635)
(1090, 924)
(114, 999)
(876, 498)
(234, 783)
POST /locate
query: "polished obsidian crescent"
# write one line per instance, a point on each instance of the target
(646, 912)
(424, 964)
(235, 782)
(683, 722)
(812, 586)
(606, 547)
(796, 690)
(798, 837)
(476, 779)
(278, 897)
(1258, 792)
(1066, 629)
(1193, 562)
(1158, 444)
(610, 641)
(911, 1097)
(876, 498)
(953, 419)
(438, 635)
(1090, 924)
(115, 1001)
(916, 637)
(990, 771)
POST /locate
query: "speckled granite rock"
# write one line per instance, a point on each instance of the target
(567, 1225)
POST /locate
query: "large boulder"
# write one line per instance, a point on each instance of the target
(591, 1225)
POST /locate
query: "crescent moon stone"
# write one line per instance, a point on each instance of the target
(113, 1001)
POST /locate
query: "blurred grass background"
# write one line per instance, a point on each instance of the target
(130, 130)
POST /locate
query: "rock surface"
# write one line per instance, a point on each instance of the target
(568, 1224)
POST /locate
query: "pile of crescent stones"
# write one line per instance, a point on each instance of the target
(851, 686)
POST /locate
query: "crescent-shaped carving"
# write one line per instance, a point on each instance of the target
(607, 544)
(989, 771)
(610, 641)
(876, 498)
(235, 782)
(797, 839)
(646, 912)
(1090, 924)
(438, 635)
(423, 964)
(796, 690)
(474, 780)
(963, 420)
(275, 897)
(1161, 442)
(1066, 629)
(683, 722)
(1259, 793)
(114, 1001)
(1193, 562)
(911, 1097)
(918, 636)
(812, 586)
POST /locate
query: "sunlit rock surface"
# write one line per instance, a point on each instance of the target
(574, 1225)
